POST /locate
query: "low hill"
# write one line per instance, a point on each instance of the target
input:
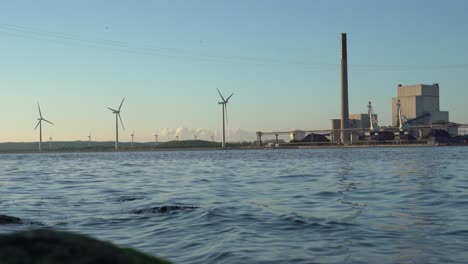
(59, 146)
(189, 144)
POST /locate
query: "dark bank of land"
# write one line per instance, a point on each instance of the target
(54, 247)
(109, 146)
(102, 146)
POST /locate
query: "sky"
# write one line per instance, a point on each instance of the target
(281, 59)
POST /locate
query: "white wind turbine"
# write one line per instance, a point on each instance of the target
(132, 135)
(117, 117)
(89, 139)
(224, 103)
(39, 123)
(155, 139)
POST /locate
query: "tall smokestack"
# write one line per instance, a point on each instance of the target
(344, 136)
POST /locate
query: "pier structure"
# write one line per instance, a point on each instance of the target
(334, 133)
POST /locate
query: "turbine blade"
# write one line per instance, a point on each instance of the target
(221, 95)
(37, 124)
(39, 107)
(113, 110)
(229, 97)
(121, 103)
(47, 121)
(121, 121)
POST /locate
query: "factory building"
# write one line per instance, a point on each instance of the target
(355, 121)
(420, 106)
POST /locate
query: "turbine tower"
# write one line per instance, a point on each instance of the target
(39, 123)
(224, 103)
(89, 139)
(50, 143)
(117, 118)
(132, 135)
(156, 139)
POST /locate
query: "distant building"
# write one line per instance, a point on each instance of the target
(419, 104)
(355, 121)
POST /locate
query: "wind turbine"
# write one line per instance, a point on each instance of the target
(89, 139)
(50, 143)
(132, 135)
(117, 117)
(224, 103)
(155, 139)
(39, 123)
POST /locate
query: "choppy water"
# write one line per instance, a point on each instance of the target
(386, 205)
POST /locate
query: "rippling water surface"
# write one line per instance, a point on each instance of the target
(386, 205)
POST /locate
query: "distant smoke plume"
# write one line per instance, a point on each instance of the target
(184, 133)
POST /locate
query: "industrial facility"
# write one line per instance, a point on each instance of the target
(419, 105)
(416, 118)
(357, 122)
(415, 113)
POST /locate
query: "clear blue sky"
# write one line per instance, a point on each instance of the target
(279, 58)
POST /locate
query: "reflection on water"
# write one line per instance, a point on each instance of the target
(394, 205)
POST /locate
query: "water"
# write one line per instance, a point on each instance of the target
(391, 205)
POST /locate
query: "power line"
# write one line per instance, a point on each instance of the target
(25, 32)
(128, 47)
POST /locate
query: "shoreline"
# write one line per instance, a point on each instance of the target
(350, 146)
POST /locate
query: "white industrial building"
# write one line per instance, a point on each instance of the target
(355, 121)
(420, 105)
